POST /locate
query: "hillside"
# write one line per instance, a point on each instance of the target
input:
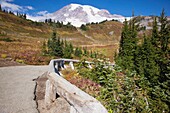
(22, 39)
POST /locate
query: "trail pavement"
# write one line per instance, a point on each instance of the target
(17, 88)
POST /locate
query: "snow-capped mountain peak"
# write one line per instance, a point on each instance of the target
(81, 14)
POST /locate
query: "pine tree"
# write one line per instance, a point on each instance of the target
(68, 50)
(25, 16)
(83, 27)
(128, 46)
(0, 8)
(147, 62)
(164, 62)
(59, 48)
(85, 52)
(121, 60)
(150, 60)
(71, 48)
(78, 52)
(52, 44)
(164, 32)
(155, 35)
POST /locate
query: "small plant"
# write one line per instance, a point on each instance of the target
(20, 61)
(84, 27)
(3, 55)
(6, 39)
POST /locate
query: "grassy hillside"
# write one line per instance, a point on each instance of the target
(22, 39)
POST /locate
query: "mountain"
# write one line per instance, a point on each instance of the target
(78, 14)
(147, 21)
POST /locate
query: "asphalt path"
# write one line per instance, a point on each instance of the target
(17, 88)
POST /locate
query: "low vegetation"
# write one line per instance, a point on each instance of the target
(139, 82)
(119, 90)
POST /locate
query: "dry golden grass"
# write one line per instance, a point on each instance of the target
(26, 36)
(108, 31)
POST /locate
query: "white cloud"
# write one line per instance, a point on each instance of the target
(6, 4)
(10, 6)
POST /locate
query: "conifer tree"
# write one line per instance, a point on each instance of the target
(0, 8)
(71, 48)
(128, 46)
(164, 62)
(78, 52)
(150, 60)
(155, 35)
(68, 50)
(147, 62)
(59, 48)
(25, 16)
(85, 52)
(55, 46)
(164, 33)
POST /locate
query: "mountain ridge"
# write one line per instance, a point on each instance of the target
(78, 14)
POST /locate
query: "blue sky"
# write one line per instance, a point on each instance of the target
(122, 7)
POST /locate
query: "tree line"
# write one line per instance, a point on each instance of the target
(149, 59)
(60, 48)
(59, 24)
(24, 16)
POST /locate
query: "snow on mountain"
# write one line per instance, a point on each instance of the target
(80, 14)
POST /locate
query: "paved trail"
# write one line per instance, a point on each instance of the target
(17, 88)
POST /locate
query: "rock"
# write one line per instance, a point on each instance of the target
(111, 33)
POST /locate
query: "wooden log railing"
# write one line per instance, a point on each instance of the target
(79, 101)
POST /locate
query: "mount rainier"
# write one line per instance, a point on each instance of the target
(78, 14)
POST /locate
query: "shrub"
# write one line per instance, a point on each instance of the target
(6, 39)
(3, 55)
(20, 61)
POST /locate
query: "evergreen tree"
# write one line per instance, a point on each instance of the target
(55, 46)
(155, 35)
(147, 64)
(25, 16)
(68, 50)
(150, 60)
(59, 48)
(83, 27)
(91, 54)
(46, 21)
(0, 8)
(71, 48)
(52, 45)
(128, 46)
(164, 61)
(164, 32)
(78, 52)
(85, 52)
